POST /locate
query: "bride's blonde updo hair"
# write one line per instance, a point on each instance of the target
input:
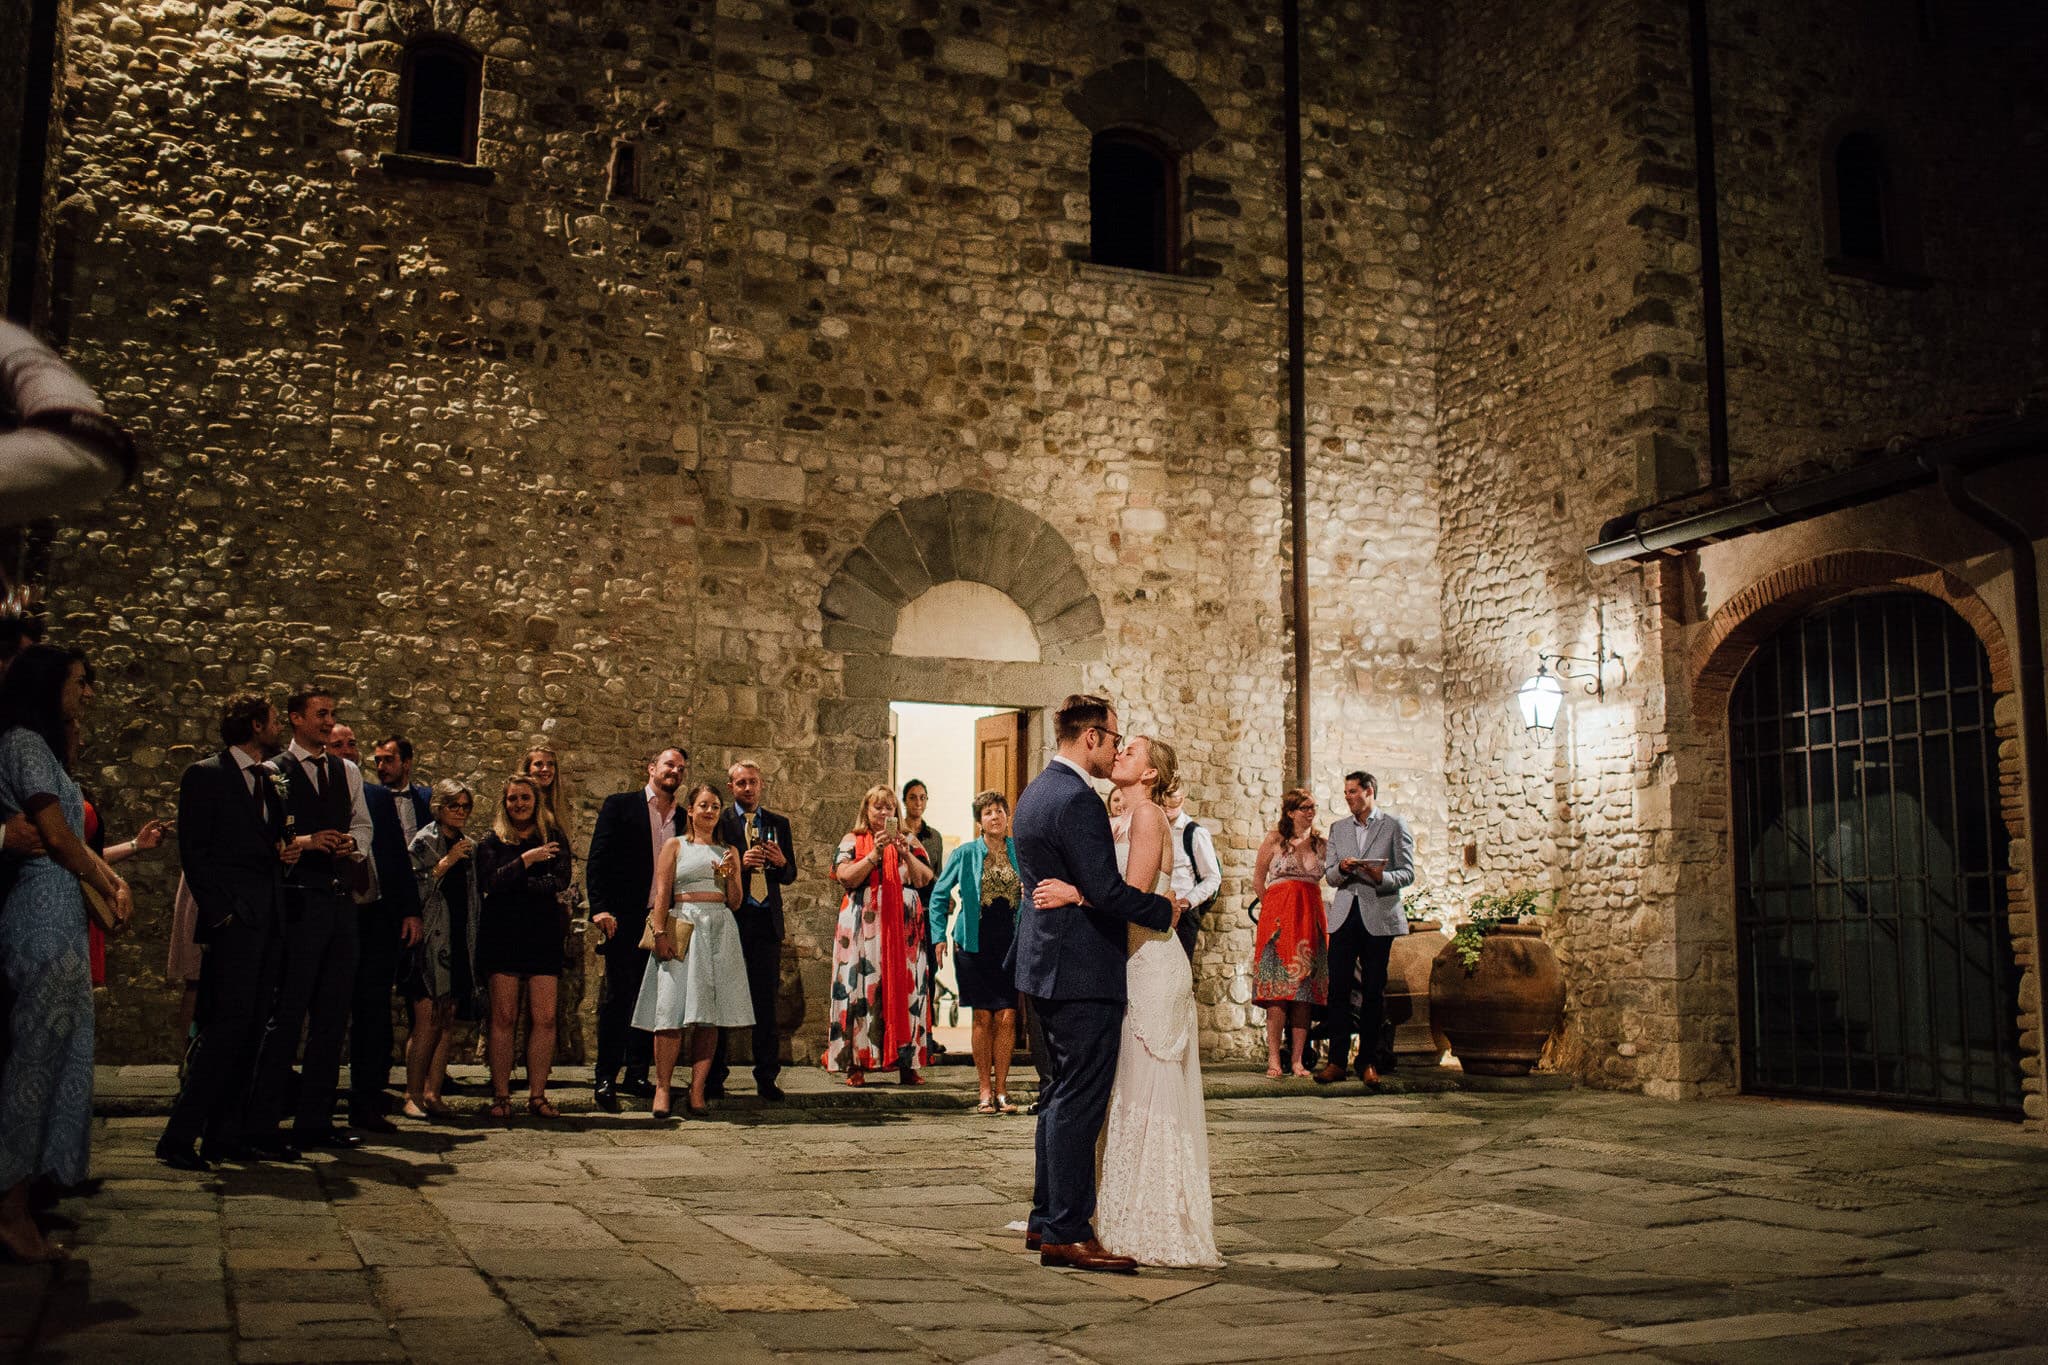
(1165, 765)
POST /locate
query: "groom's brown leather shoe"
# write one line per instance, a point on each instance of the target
(1330, 1074)
(1033, 1241)
(1087, 1255)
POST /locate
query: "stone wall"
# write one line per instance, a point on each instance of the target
(515, 459)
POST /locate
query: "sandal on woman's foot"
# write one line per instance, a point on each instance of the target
(908, 1077)
(414, 1110)
(1274, 1073)
(1302, 1073)
(541, 1109)
(856, 1078)
(501, 1109)
(437, 1108)
(987, 1106)
(1003, 1105)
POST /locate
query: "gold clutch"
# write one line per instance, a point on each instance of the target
(679, 929)
(100, 908)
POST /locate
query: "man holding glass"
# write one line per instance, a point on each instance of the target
(766, 866)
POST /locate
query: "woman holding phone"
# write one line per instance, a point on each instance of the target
(522, 871)
(879, 980)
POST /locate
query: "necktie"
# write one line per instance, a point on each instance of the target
(317, 765)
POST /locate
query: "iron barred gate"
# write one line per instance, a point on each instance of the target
(1870, 863)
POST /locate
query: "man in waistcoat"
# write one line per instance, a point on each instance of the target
(330, 826)
(766, 866)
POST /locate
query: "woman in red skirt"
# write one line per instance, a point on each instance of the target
(1291, 957)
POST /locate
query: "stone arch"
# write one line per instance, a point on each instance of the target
(1752, 615)
(971, 535)
(1141, 93)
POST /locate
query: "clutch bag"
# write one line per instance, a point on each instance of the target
(100, 908)
(679, 929)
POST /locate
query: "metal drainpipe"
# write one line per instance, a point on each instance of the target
(2026, 601)
(1709, 193)
(1297, 395)
(31, 172)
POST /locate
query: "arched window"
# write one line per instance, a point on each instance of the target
(1870, 225)
(440, 98)
(1134, 202)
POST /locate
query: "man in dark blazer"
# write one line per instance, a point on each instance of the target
(385, 925)
(1070, 961)
(631, 827)
(230, 829)
(766, 866)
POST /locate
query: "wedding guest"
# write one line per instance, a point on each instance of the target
(632, 829)
(46, 1085)
(1114, 802)
(544, 766)
(323, 796)
(1197, 874)
(1370, 857)
(915, 799)
(984, 872)
(392, 760)
(1291, 970)
(523, 872)
(443, 983)
(879, 976)
(231, 845)
(341, 742)
(698, 978)
(764, 840)
(146, 840)
(384, 927)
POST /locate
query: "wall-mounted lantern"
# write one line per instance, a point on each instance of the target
(1540, 698)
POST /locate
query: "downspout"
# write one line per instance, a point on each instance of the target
(1297, 393)
(1710, 248)
(2026, 602)
(32, 166)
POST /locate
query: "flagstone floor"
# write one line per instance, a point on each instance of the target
(1449, 1226)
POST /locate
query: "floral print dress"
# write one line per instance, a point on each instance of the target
(867, 947)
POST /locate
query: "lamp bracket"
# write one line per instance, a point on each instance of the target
(1593, 670)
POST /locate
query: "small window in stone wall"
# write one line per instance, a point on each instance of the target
(440, 99)
(1134, 202)
(623, 177)
(1870, 227)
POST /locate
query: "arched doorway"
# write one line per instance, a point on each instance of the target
(1870, 862)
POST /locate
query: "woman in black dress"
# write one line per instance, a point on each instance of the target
(522, 872)
(984, 871)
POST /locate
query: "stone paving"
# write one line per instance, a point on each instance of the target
(1482, 1227)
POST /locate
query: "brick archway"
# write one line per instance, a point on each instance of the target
(1752, 615)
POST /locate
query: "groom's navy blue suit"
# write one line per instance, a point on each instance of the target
(1070, 961)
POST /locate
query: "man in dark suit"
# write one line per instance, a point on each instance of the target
(231, 826)
(330, 824)
(631, 828)
(1070, 961)
(763, 838)
(392, 921)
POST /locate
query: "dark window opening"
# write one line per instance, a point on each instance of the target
(440, 99)
(624, 175)
(1861, 190)
(1134, 200)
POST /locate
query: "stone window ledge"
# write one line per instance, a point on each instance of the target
(400, 166)
(1150, 279)
(1878, 272)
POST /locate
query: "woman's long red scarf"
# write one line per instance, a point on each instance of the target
(885, 899)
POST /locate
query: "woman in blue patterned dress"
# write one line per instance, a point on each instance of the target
(46, 1088)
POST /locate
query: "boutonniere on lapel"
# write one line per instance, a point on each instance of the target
(283, 786)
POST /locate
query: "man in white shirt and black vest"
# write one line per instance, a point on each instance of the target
(329, 823)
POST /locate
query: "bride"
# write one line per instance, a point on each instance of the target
(1153, 1198)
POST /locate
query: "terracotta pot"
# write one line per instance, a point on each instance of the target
(1416, 1041)
(1499, 1015)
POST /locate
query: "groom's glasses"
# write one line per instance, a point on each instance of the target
(1112, 736)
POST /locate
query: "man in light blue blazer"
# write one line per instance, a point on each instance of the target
(1070, 961)
(1371, 857)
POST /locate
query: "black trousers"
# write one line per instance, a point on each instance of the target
(315, 990)
(1355, 953)
(237, 986)
(618, 1042)
(762, 948)
(369, 1024)
(1081, 1036)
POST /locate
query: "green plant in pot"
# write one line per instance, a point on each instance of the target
(1488, 910)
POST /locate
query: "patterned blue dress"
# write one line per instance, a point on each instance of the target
(46, 1088)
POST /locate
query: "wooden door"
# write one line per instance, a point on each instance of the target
(999, 755)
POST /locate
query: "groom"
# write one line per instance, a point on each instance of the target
(1070, 961)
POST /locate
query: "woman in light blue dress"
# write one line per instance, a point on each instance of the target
(705, 988)
(46, 1087)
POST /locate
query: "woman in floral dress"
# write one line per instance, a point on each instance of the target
(879, 979)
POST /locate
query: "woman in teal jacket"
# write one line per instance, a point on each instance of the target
(984, 872)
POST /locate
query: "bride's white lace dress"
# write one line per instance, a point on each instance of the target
(1152, 1200)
